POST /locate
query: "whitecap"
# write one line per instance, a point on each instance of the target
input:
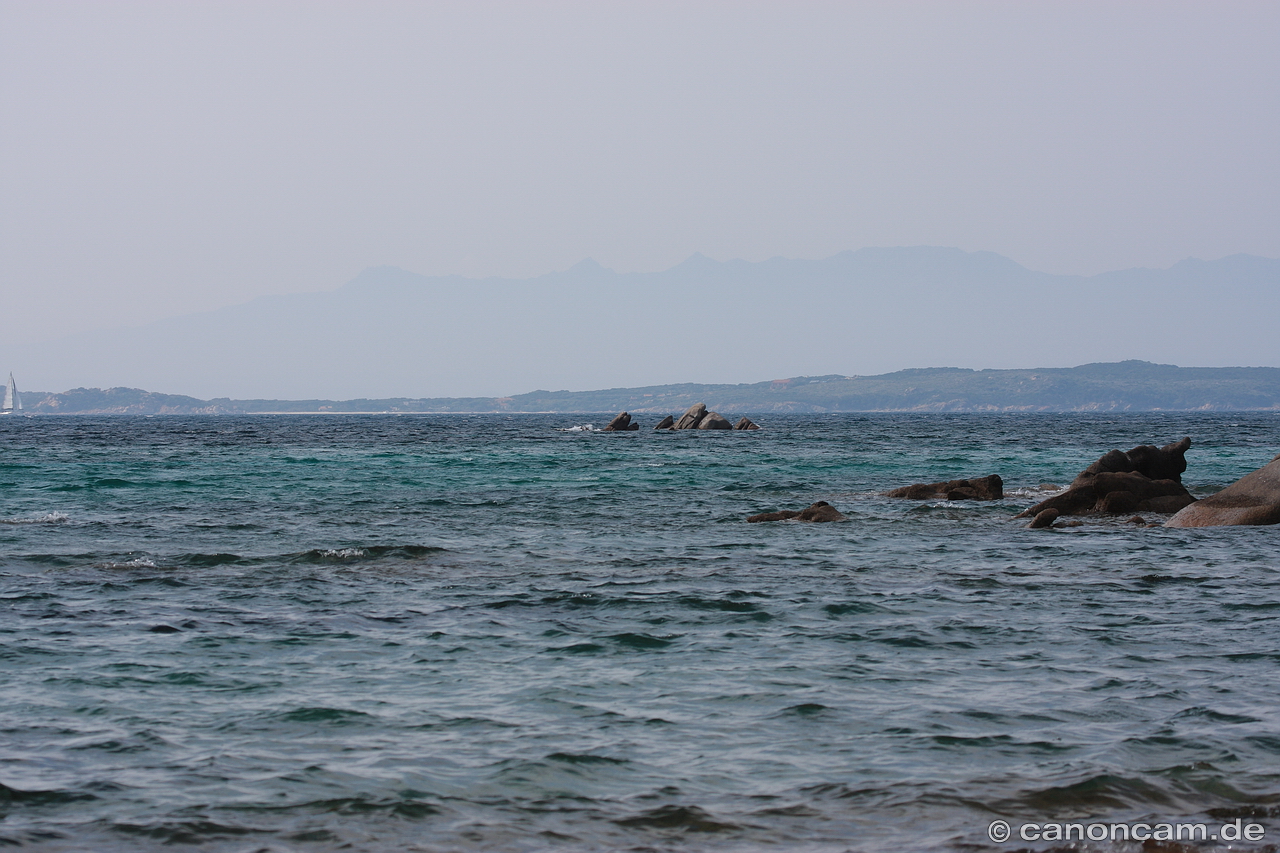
(344, 553)
(49, 518)
(135, 563)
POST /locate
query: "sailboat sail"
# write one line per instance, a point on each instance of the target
(12, 401)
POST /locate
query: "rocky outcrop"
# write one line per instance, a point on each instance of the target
(989, 488)
(820, 511)
(714, 420)
(622, 423)
(1253, 499)
(692, 417)
(1146, 478)
(697, 417)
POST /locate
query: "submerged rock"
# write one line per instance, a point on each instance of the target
(622, 423)
(989, 488)
(1253, 499)
(1146, 478)
(780, 515)
(1044, 519)
(817, 512)
(746, 423)
(666, 423)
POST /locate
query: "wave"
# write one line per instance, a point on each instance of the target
(135, 563)
(332, 716)
(1039, 493)
(685, 818)
(47, 518)
(353, 554)
(316, 556)
(16, 796)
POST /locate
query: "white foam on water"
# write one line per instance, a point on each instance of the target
(49, 518)
(1042, 491)
(344, 553)
(135, 563)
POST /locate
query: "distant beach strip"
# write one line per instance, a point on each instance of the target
(1127, 386)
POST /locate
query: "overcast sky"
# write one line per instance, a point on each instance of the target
(161, 158)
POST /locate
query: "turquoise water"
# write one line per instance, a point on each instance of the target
(471, 633)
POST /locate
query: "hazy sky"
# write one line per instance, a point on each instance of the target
(160, 158)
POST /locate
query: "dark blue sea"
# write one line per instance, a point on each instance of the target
(487, 633)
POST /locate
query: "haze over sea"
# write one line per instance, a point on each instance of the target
(493, 633)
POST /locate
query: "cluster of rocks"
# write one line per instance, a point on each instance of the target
(1150, 479)
(989, 488)
(820, 511)
(1145, 479)
(697, 417)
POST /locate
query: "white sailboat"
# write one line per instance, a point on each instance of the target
(12, 400)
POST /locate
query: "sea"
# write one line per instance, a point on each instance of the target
(519, 633)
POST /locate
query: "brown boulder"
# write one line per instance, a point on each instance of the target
(714, 420)
(781, 515)
(691, 418)
(989, 488)
(666, 423)
(745, 423)
(821, 511)
(1118, 503)
(1253, 499)
(621, 423)
(1146, 478)
(818, 512)
(1167, 503)
(1044, 519)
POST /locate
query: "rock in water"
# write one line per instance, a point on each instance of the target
(989, 488)
(1146, 478)
(821, 511)
(1044, 519)
(1253, 499)
(745, 423)
(697, 417)
(781, 515)
(714, 420)
(818, 512)
(691, 418)
(621, 423)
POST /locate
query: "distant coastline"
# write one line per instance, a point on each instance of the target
(1136, 386)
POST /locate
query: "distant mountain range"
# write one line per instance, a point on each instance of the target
(1118, 387)
(390, 332)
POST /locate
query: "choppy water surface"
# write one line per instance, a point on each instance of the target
(482, 633)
